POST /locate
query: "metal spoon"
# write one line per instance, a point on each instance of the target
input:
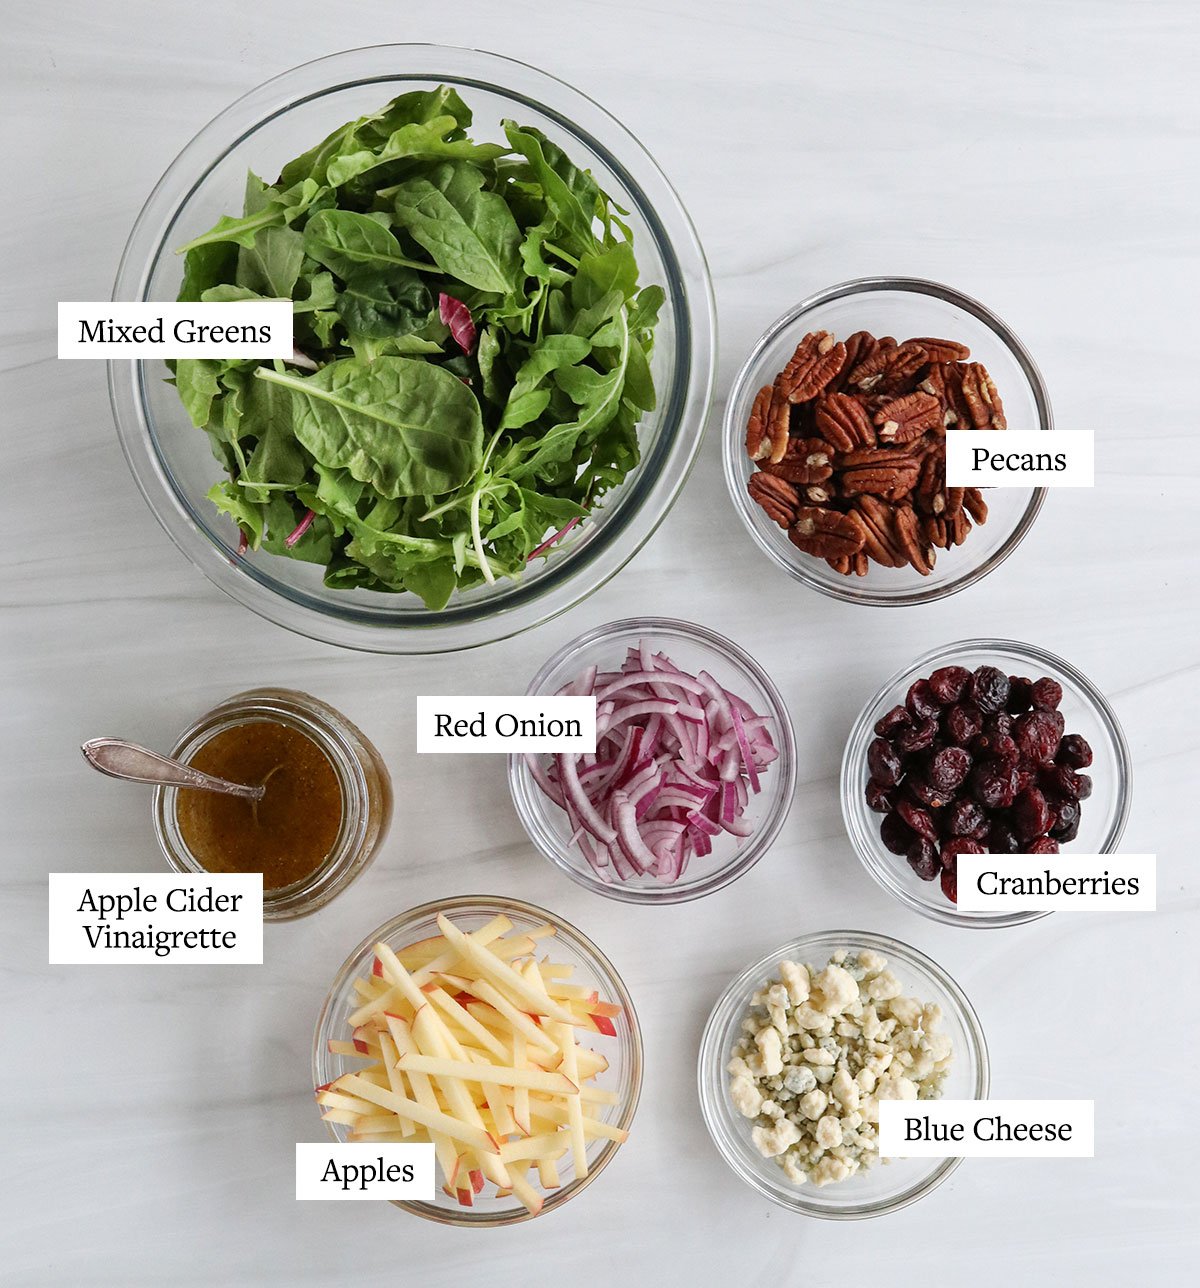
(120, 759)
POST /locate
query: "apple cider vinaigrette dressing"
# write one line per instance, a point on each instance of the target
(287, 834)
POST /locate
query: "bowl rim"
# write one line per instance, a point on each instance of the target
(733, 439)
(523, 790)
(734, 998)
(651, 491)
(480, 904)
(888, 874)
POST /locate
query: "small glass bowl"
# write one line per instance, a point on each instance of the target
(903, 307)
(569, 946)
(692, 648)
(1085, 711)
(886, 1187)
(361, 775)
(173, 464)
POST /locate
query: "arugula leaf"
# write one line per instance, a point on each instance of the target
(406, 427)
(470, 232)
(281, 208)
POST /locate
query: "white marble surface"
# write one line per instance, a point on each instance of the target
(1040, 156)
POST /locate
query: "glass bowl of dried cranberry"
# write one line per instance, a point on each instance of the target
(983, 746)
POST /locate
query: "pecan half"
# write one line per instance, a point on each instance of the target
(778, 425)
(903, 419)
(975, 505)
(981, 398)
(879, 542)
(826, 533)
(917, 550)
(818, 358)
(859, 346)
(933, 529)
(879, 480)
(776, 496)
(930, 489)
(843, 422)
(942, 350)
(957, 527)
(758, 442)
(806, 460)
(904, 362)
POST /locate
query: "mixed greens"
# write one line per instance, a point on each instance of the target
(472, 352)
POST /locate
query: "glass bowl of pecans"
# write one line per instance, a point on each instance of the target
(834, 440)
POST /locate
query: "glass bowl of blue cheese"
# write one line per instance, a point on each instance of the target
(801, 1049)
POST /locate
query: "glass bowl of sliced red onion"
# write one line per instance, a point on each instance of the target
(693, 773)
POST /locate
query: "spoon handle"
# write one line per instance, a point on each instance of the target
(120, 759)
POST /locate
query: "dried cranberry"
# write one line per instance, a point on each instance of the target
(980, 833)
(959, 845)
(948, 682)
(1056, 719)
(884, 763)
(1031, 815)
(948, 768)
(1061, 780)
(923, 859)
(1066, 823)
(962, 723)
(1026, 777)
(920, 701)
(1036, 735)
(998, 725)
(1043, 845)
(1085, 786)
(962, 817)
(891, 722)
(999, 747)
(896, 834)
(1075, 750)
(924, 792)
(879, 797)
(1002, 838)
(1020, 694)
(1046, 694)
(916, 737)
(994, 784)
(920, 820)
(950, 885)
(989, 689)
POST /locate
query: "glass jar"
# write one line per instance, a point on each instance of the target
(362, 778)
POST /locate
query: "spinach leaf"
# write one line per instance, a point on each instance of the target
(471, 233)
(405, 427)
(345, 241)
(378, 304)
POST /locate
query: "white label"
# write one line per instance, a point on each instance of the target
(566, 724)
(1020, 458)
(987, 1128)
(153, 329)
(155, 919)
(364, 1171)
(1057, 882)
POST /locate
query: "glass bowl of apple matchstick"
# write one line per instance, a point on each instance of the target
(495, 1031)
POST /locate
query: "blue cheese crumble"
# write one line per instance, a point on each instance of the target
(819, 1050)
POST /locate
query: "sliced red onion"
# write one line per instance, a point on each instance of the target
(455, 314)
(677, 759)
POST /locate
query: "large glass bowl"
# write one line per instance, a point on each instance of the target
(171, 459)
(886, 1186)
(1086, 712)
(569, 946)
(902, 307)
(692, 648)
